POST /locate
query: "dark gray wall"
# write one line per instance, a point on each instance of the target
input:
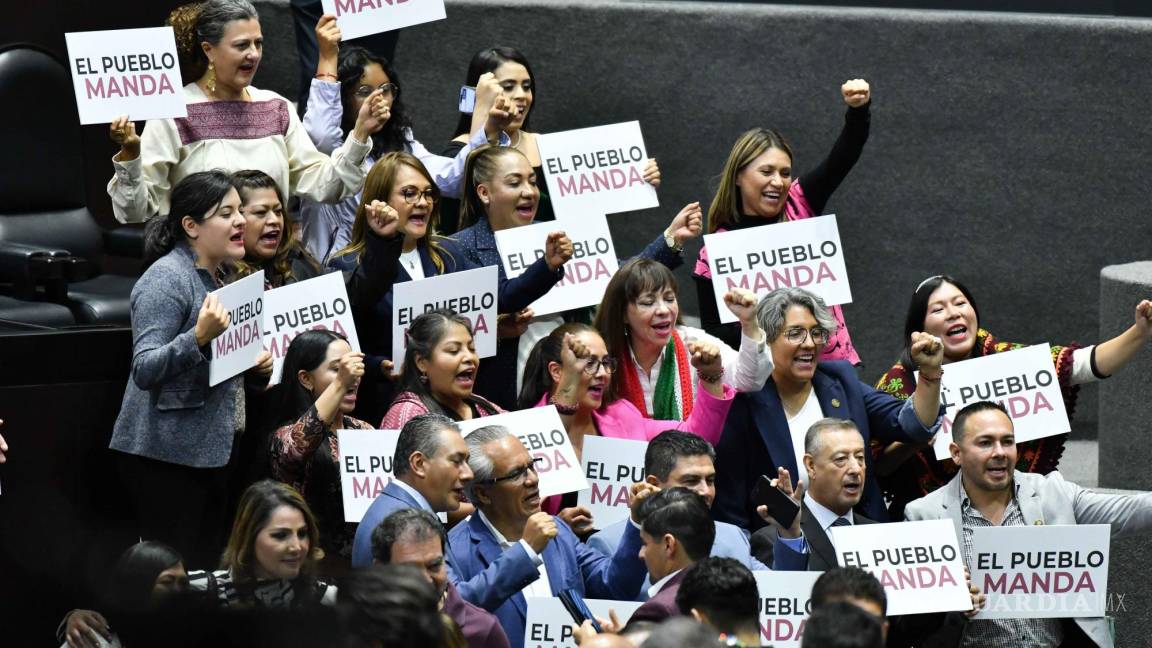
(1008, 150)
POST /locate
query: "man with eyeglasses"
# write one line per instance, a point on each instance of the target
(510, 549)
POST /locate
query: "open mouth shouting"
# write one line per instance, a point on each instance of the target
(533, 498)
(526, 210)
(466, 378)
(956, 333)
(596, 391)
(997, 472)
(663, 329)
(350, 395)
(804, 361)
(269, 240)
(236, 240)
(772, 198)
(852, 487)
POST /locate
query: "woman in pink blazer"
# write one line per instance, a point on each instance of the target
(572, 370)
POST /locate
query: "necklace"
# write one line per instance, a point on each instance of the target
(410, 258)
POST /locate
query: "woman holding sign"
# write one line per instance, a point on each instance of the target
(945, 308)
(174, 431)
(316, 398)
(231, 125)
(508, 69)
(639, 318)
(757, 188)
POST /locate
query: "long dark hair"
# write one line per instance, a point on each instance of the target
(423, 335)
(256, 506)
(537, 379)
(353, 60)
(633, 279)
(135, 575)
(918, 310)
(278, 269)
(727, 206)
(306, 352)
(487, 60)
(198, 196)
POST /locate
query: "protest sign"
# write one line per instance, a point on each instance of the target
(611, 467)
(471, 294)
(918, 563)
(795, 254)
(785, 603)
(1024, 381)
(1037, 571)
(365, 467)
(357, 18)
(548, 624)
(542, 433)
(586, 274)
(319, 303)
(599, 170)
(235, 350)
(131, 72)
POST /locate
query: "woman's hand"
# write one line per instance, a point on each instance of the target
(212, 320)
(488, 90)
(579, 519)
(1144, 318)
(585, 632)
(783, 483)
(652, 173)
(350, 370)
(856, 92)
(499, 117)
(123, 133)
(928, 353)
(687, 224)
(328, 39)
(557, 250)
(264, 364)
(742, 303)
(82, 627)
(382, 219)
(374, 113)
(387, 369)
(705, 358)
(513, 325)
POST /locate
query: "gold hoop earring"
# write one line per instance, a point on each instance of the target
(211, 82)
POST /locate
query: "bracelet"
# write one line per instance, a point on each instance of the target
(932, 379)
(320, 75)
(711, 378)
(567, 410)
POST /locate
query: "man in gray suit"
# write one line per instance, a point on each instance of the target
(987, 492)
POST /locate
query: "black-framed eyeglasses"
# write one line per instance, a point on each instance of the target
(796, 335)
(516, 476)
(389, 89)
(592, 365)
(411, 196)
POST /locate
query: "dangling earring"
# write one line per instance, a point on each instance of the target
(211, 82)
(423, 378)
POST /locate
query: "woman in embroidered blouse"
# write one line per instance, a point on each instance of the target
(757, 188)
(317, 396)
(344, 79)
(231, 125)
(439, 370)
(272, 554)
(944, 307)
(639, 318)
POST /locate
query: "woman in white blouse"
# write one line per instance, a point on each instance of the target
(231, 125)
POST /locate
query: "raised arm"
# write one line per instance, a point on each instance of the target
(821, 181)
(325, 111)
(1113, 355)
(140, 185)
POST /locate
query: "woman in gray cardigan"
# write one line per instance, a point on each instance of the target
(175, 432)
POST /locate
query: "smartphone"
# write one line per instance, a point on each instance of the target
(575, 605)
(467, 99)
(781, 507)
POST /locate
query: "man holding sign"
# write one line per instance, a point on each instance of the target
(511, 549)
(988, 493)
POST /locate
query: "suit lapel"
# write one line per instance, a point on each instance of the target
(818, 542)
(487, 551)
(830, 393)
(951, 506)
(773, 429)
(1029, 501)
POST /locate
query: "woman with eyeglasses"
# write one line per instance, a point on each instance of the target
(572, 370)
(757, 188)
(944, 307)
(231, 125)
(766, 429)
(345, 79)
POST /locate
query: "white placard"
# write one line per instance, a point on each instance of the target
(548, 624)
(797, 254)
(318, 303)
(919, 564)
(611, 467)
(785, 604)
(358, 18)
(597, 170)
(471, 293)
(542, 433)
(1037, 571)
(587, 273)
(236, 349)
(1024, 381)
(365, 467)
(132, 72)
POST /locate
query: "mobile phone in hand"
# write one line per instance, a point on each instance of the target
(782, 508)
(467, 99)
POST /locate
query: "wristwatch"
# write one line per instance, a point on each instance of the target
(670, 241)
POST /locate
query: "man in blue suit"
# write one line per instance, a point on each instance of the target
(510, 549)
(429, 472)
(674, 459)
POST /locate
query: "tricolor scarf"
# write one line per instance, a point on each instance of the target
(672, 399)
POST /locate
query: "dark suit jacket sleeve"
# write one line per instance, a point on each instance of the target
(618, 576)
(659, 251)
(769, 549)
(654, 610)
(518, 293)
(892, 419)
(491, 587)
(738, 453)
(375, 274)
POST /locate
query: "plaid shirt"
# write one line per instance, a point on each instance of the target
(1003, 633)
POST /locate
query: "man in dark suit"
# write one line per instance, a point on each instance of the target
(834, 458)
(510, 549)
(429, 472)
(416, 537)
(677, 531)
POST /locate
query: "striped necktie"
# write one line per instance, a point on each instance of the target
(841, 521)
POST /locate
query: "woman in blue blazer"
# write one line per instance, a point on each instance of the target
(766, 429)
